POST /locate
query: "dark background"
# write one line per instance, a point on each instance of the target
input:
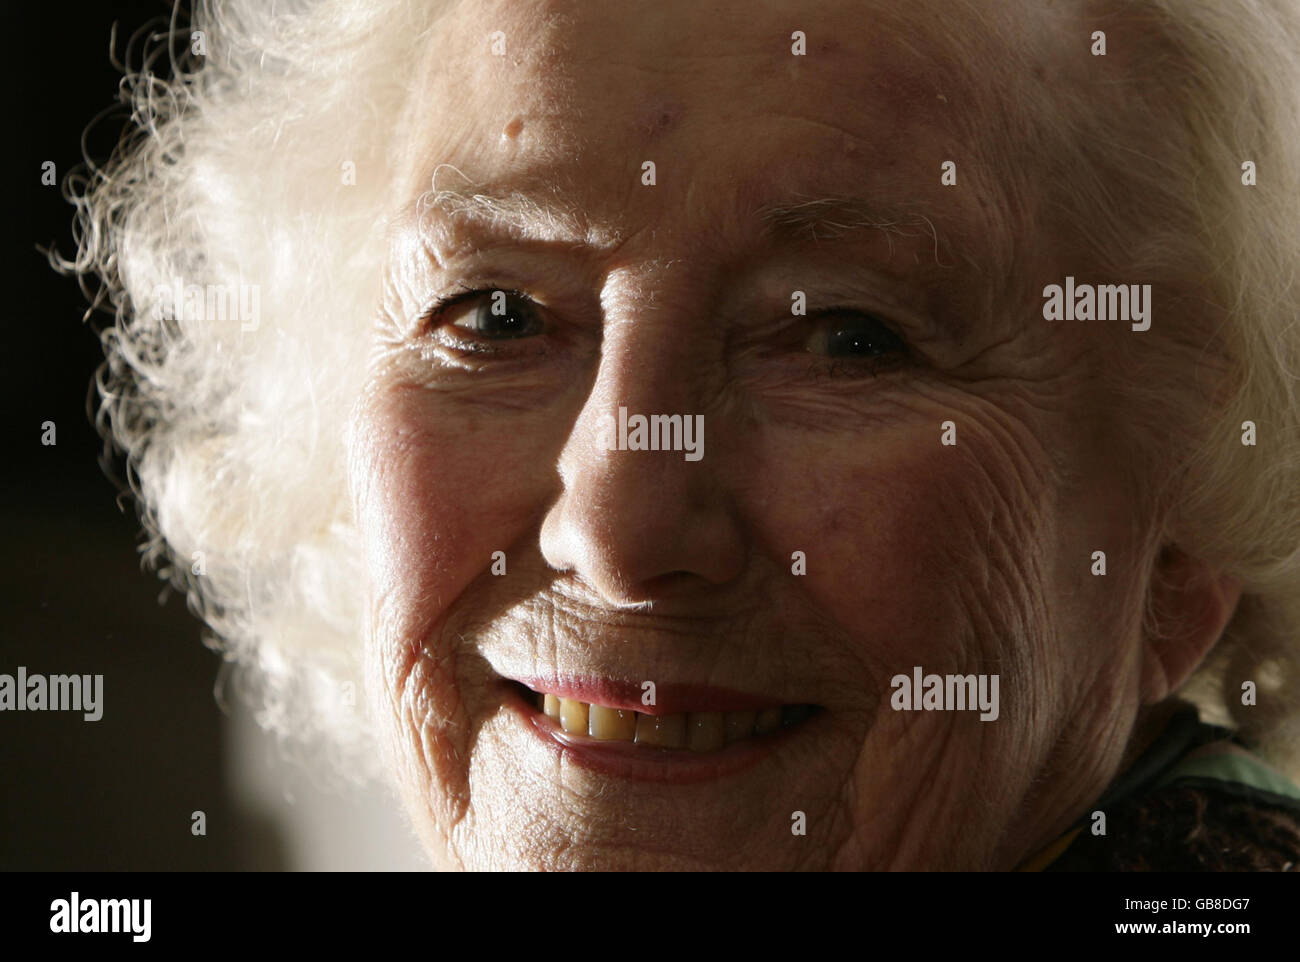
(116, 793)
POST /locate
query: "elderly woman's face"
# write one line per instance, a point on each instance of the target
(819, 537)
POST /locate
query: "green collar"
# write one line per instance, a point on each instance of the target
(1193, 754)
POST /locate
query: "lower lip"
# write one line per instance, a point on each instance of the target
(625, 759)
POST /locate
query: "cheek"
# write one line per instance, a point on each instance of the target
(924, 554)
(438, 492)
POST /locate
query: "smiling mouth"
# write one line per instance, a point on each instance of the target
(700, 732)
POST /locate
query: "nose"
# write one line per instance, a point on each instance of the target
(645, 525)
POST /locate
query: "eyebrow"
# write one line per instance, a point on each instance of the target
(522, 213)
(827, 218)
(540, 212)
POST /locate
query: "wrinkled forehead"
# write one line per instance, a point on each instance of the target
(763, 102)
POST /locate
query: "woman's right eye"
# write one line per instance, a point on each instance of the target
(490, 315)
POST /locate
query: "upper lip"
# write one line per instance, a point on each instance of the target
(670, 697)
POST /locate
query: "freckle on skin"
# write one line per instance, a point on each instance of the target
(662, 119)
(513, 128)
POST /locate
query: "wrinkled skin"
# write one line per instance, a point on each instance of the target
(671, 298)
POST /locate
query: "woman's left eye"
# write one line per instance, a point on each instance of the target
(841, 334)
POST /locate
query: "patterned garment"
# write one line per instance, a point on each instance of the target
(1195, 801)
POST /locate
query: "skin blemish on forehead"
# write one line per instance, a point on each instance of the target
(514, 128)
(662, 119)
